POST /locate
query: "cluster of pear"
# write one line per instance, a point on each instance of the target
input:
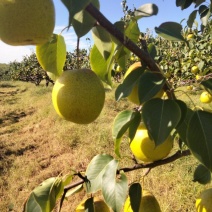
(142, 147)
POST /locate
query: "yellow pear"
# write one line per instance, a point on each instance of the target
(148, 203)
(144, 149)
(78, 96)
(204, 201)
(99, 205)
(26, 22)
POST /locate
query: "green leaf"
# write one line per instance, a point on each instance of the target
(183, 107)
(146, 10)
(43, 197)
(74, 190)
(124, 89)
(52, 55)
(83, 22)
(124, 120)
(114, 190)
(95, 171)
(102, 41)
(207, 84)
(135, 194)
(205, 14)
(184, 3)
(132, 31)
(75, 6)
(120, 25)
(101, 66)
(89, 206)
(198, 2)
(202, 175)
(149, 85)
(192, 18)
(160, 118)
(199, 137)
(182, 126)
(170, 31)
(152, 50)
(121, 55)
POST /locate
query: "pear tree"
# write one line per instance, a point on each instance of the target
(114, 43)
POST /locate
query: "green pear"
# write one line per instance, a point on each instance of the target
(26, 22)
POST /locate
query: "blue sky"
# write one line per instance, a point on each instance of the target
(112, 9)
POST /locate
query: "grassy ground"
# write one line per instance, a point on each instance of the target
(36, 144)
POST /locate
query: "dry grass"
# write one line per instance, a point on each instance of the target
(36, 144)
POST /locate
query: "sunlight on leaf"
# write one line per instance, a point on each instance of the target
(95, 171)
(75, 6)
(52, 56)
(160, 118)
(146, 10)
(102, 41)
(114, 190)
(43, 197)
(101, 66)
(83, 22)
(170, 31)
(123, 121)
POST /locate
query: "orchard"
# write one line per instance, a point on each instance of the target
(151, 72)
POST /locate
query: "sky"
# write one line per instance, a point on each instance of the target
(112, 9)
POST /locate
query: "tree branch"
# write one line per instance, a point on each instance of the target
(179, 154)
(144, 56)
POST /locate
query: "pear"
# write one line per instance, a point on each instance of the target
(78, 96)
(26, 22)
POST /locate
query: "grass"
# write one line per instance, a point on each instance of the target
(36, 144)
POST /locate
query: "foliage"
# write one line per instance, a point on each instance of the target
(113, 45)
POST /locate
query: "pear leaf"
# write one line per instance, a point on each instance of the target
(74, 190)
(146, 10)
(202, 175)
(102, 40)
(192, 18)
(89, 206)
(75, 6)
(135, 194)
(207, 83)
(52, 55)
(149, 84)
(101, 66)
(160, 117)
(124, 89)
(170, 31)
(43, 197)
(95, 171)
(114, 190)
(83, 22)
(123, 121)
(152, 50)
(183, 123)
(199, 137)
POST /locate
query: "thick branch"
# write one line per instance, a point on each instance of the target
(144, 56)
